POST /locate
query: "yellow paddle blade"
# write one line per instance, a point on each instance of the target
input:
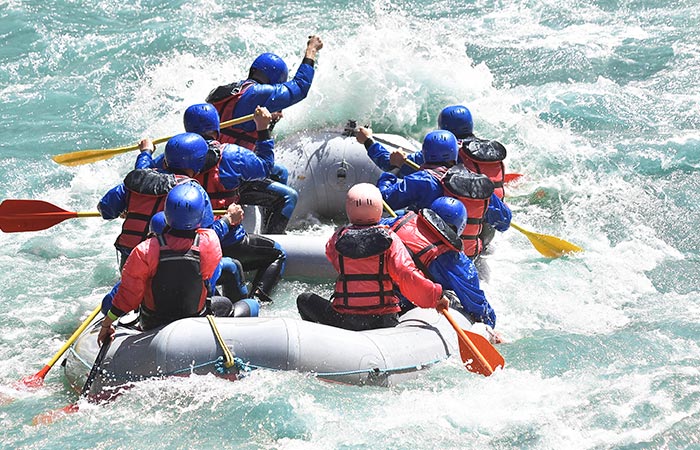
(548, 246)
(89, 156)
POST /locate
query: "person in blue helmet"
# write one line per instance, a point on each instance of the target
(221, 170)
(229, 165)
(166, 277)
(228, 273)
(439, 175)
(431, 236)
(477, 155)
(142, 193)
(268, 86)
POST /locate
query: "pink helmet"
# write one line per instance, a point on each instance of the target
(363, 204)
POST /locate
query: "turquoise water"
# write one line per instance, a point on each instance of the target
(597, 103)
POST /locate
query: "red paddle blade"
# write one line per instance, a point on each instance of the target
(34, 381)
(490, 357)
(49, 417)
(30, 215)
(512, 177)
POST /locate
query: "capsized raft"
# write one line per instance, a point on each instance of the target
(381, 357)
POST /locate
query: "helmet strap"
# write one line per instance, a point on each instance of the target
(258, 75)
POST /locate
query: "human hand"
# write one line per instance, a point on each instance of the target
(262, 118)
(397, 157)
(494, 336)
(146, 145)
(499, 219)
(234, 214)
(106, 334)
(443, 303)
(313, 45)
(276, 116)
(362, 134)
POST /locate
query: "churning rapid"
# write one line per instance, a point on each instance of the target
(596, 102)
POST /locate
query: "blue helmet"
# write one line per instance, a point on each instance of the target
(185, 206)
(201, 118)
(274, 68)
(158, 223)
(186, 151)
(208, 216)
(456, 119)
(439, 146)
(451, 211)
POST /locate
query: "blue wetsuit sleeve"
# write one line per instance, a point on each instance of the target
(275, 97)
(498, 214)
(235, 235)
(417, 159)
(264, 150)
(416, 190)
(221, 228)
(239, 164)
(146, 161)
(388, 221)
(113, 203)
(456, 272)
(379, 156)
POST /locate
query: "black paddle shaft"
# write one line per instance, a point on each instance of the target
(95, 369)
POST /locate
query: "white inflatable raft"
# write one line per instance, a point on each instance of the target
(381, 357)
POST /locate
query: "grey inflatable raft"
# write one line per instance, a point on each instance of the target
(382, 357)
(322, 166)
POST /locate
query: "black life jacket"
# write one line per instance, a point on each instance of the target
(146, 190)
(177, 289)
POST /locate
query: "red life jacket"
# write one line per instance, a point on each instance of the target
(177, 289)
(426, 236)
(146, 190)
(364, 285)
(225, 99)
(474, 191)
(485, 157)
(210, 180)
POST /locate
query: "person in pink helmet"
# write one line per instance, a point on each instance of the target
(369, 259)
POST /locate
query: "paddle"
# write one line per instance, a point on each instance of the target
(90, 156)
(34, 215)
(510, 177)
(351, 130)
(478, 354)
(388, 209)
(548, 246)
(50, 417)
(37, 380)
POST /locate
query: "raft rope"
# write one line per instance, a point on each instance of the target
(228, 356)
(245, 368)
